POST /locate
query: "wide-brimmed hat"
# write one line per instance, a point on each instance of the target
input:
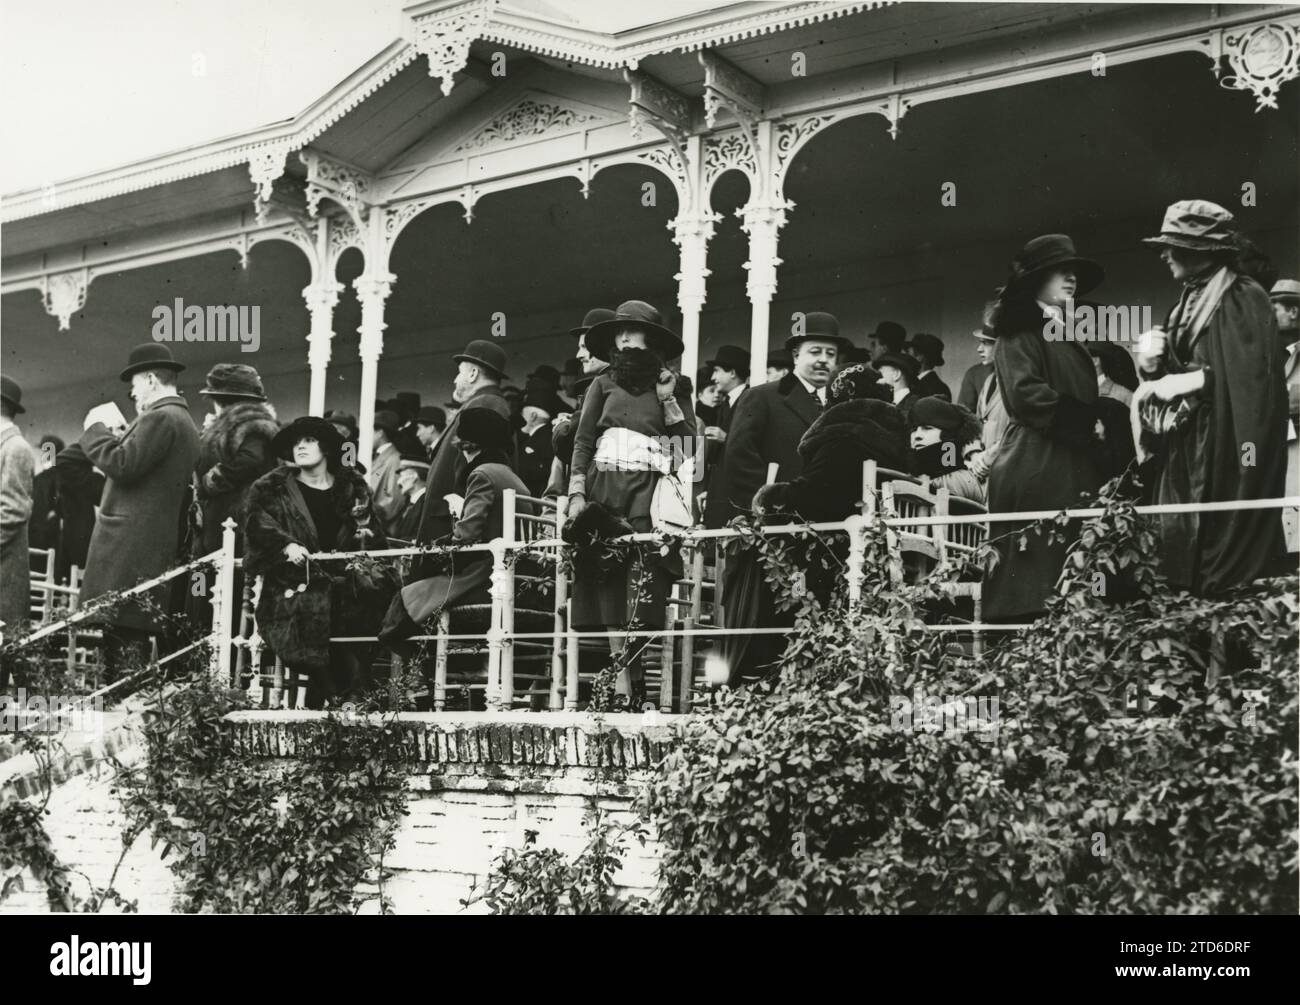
(819, 326)
(390, 422)
(929, 346)
(12, 394)
(485, 427)
(1197, 225)
(730, 357)
(150, 356)
(890, 334)
(319, 429)
(1285, 289)
(1047, 252)
(781, 358)
(234, 380)
(901, 361)
(486, 354)
(639, 315)
(592, 318)
(984, 333)
(944, 415)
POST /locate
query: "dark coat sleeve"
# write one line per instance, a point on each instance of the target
(1031, 399)
(135, 455)
(584, 440)
(266, 531)
(480, 495)
(744, 470)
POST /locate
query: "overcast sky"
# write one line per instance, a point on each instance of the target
(93, 84)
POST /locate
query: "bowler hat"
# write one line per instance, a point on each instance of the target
(484, 427)
(546, 399)
(150, 356)
(390, 422)
(341, 418)
(911, 369)
(1196, 225)
(432, 415)
(573, 367)
(12, 394)
(781, 359)
(890, 334)
(929, 346)
(731, 357)
(546, 375)
(486, 354)
(639, 316)
(318, 429)
(593, 317)
(234, 380)
(1285, 289)
(415, 462)
(407, 403)
(1048, 252)
(819, 326)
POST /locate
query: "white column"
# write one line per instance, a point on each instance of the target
(373, 292)
(762, 221)
(691, 233)
(321, 301)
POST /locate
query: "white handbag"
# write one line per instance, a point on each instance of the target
(671, 506)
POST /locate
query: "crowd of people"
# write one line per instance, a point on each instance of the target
(1203, 409)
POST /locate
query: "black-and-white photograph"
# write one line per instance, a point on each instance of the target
(589, 457)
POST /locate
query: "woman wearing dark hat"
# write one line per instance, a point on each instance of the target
(927, 350)
(898, 372)
(483, 438)
(535, 450)
(944, 437)
(1046, 459)
(234, 451)
(630, 414)
(1212, 406)
(858, 425)
(311, 504)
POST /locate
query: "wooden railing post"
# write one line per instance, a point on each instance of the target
(222, 605)
(496, 636)
(561, 604)
(854, 573)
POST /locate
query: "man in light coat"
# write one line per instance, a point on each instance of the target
(149, 467)
(16, 466)
(389, 499)
(1286, 308)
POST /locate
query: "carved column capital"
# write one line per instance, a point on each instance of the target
(373, 291)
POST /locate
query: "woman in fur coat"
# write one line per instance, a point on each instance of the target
(234, 450)
(314, 503)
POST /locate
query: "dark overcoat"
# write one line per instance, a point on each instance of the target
(234, 451)
(717, 509)
(1233, 446)
(1046, 460)
(139, 527)
(467, 575)
(16, 464)
(770, 421)
(336, 601)
(933, 386)
(447, 466)
(80, 489)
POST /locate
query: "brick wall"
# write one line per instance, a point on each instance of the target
(477, 783)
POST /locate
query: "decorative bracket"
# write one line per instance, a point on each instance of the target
(664, 108)
(727, 86)
(1262, 58)
(444, 38)
(350, 187)
(65, 294)
(264, 167)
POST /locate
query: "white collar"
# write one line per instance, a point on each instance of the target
(419, 491)
(734, 393)
(383, 449)
(900, 393)
(817, 392)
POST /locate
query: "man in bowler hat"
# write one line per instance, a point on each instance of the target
(149, 468)
(731, 378)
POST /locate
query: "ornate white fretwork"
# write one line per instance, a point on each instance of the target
(344, 234)
(726, 86)
(65, 294)
(790, 137)
(728, 151)
(528, 119)
(1262, 59)
(444, 38)
(762, 221)
(658, 104)
(348, 186)
(264, 167)
(670, 160)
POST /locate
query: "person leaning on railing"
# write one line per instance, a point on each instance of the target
(312, 504)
